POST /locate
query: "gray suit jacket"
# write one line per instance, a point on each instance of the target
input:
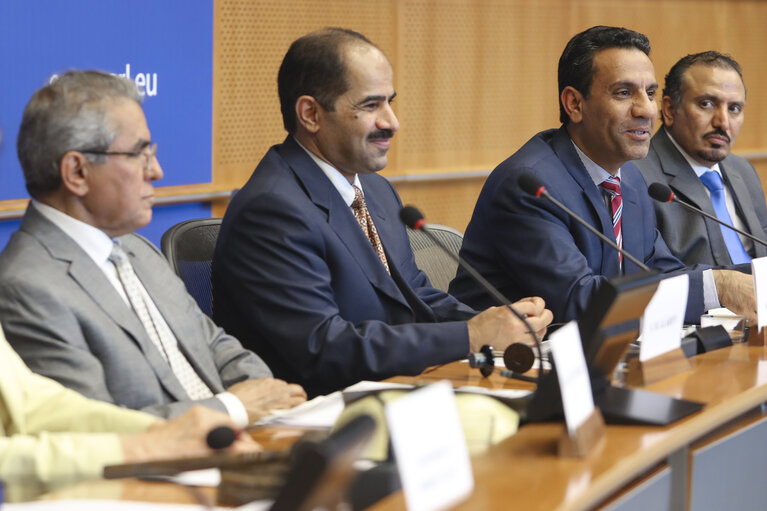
(690, 237)
(66, 320)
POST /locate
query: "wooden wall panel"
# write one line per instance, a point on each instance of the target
(475, 78)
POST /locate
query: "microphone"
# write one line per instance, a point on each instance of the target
(221, 437)
(663, 193)
(518, 357)
(531, 185)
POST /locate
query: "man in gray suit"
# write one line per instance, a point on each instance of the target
(702, 113)
(87, 302)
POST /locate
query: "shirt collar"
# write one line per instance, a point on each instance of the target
(597, 174)
(340, 183)
(696, 167)
(93, 241)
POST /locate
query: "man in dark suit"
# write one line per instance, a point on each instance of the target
(525, 245)
(87, 302)
(702, 112)
(313, 269)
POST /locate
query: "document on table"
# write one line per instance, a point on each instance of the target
(323, 411)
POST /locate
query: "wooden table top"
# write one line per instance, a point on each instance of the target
(526, 471)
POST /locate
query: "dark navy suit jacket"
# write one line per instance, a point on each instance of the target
(296, 279)
(527, 246)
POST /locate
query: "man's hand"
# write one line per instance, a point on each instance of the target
(184, 436)
(499, 327)
(265, 394)
(736, 292)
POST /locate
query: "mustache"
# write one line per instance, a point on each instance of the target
(718, 132)
(381, 134)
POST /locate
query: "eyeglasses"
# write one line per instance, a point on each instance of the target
(148, 156)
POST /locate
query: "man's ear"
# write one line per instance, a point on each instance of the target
(667, 111)
(308, 113)
(572, 102)
(74, 170)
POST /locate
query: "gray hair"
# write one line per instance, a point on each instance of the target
(69, 114)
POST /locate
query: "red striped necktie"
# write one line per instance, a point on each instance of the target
(613, 187)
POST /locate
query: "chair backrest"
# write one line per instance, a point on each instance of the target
(435, 263)
(189, 247)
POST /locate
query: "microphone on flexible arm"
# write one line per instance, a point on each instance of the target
(533, 186)
(663, 193)
(518, 357)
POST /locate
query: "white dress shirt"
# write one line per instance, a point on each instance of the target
(339, 181)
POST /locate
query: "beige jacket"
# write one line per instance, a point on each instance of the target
(50, 433)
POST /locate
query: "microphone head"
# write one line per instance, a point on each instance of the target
(660, 192)
(519, 357)
(220, 437)
(411, 217)
(531, 185)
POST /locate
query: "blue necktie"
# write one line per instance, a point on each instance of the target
(713, 182)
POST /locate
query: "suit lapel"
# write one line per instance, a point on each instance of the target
(563, 147)
(197, 354)
(91, 279)
(682, 179)
(340, 218)
(742, 198)
(632, 222)
(687, 185)
(84, 272)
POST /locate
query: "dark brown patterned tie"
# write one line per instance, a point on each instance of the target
(361, 213)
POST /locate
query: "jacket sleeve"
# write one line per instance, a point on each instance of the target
(48, 432)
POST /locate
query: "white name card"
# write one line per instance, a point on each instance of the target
(430, 448)
(573, 375)
(663, 318)
(759, 272)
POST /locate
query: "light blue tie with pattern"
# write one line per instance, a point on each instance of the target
(713, 182)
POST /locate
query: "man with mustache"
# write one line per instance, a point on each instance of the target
(313, 269)
(702, 112)
(524, 244)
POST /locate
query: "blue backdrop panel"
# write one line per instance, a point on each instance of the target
(165, 46)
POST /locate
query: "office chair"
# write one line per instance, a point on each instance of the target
(437, 265)
(189, 247)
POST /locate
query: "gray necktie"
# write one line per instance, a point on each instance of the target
(164, 341)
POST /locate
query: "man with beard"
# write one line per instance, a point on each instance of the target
(702, 112)
(313, 269)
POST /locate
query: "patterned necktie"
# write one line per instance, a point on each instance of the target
(163, 340)
(361, 213)
(613, 186)
(713, 182)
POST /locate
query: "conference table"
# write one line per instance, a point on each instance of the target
(713, 459)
